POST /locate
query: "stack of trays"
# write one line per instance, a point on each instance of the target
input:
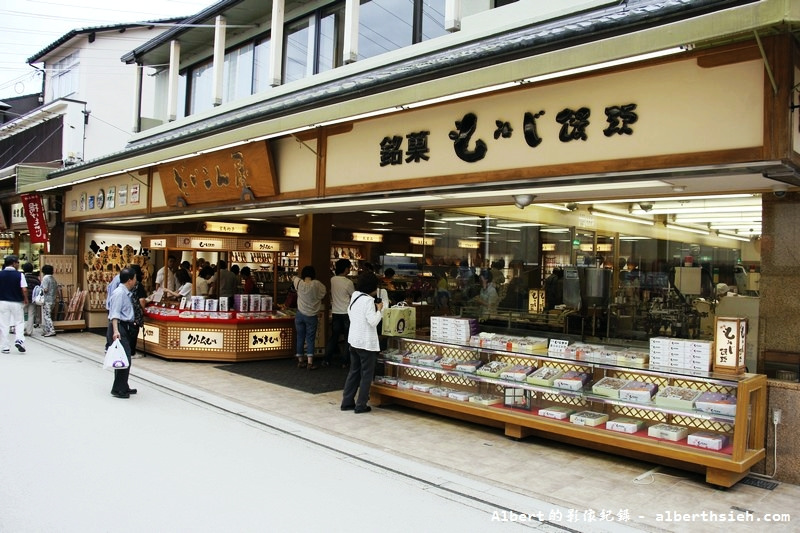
(571, 380)
(677, 397)
(545, 376)
(517, 372)
(625, 425)
(638, 391)
(609, 387)
(588, 418)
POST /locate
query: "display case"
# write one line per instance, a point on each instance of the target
(565, 405)
(217, 336)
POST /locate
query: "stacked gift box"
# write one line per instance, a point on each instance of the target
(681, 353)
(453, 329)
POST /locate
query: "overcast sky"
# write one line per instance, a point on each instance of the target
(28, 26)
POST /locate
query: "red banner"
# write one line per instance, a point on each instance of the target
(35, 216)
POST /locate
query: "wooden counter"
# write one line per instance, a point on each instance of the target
(243, 337)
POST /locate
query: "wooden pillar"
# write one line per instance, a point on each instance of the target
(315, 245)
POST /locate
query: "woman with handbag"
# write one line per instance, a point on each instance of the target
(50, 289)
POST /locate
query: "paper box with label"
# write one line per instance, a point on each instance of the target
(399, 321)
(588, 418)
(716, 403)
(557, 411)
(708, 440)
(625, 425)
(677, 397)
(609, 386)
(638, 391)
(571, 380)
(544, 376)
(668, 432)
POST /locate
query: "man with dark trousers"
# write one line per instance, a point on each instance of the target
(121, 326)
(13, 296)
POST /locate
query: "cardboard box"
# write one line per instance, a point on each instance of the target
(668, 432)
(708, 440)
(716, 403)
(544, 376)
(571, 380)
(557, 411)
(625, 425)
(588, 418)
(638, 391)
(609, 387)
(677, 397)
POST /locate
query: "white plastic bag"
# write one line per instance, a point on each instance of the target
(115, 357)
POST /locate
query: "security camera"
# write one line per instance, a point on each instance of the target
(646, 206)
(779, 190)
(523, 200)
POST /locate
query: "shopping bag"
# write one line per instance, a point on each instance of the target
(399, 321)
(38, 295)
(115, 357)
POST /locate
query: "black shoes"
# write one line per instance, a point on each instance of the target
(365, 409)
(132, 391)
(347, 407)
(116, 394)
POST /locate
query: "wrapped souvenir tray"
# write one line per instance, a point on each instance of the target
(544, 376)
(677, 397)
(460, 395)
(516, 372)
(625, 425)
(559, 412)
(588, 418)
(442, 392)
(428, 360)
(633, 358)
(469, 366)
(638, 391)
(571, 380)
(668, 432)
(394, 355)
(448, 363)
(708, 440)
(485, 399)
(404, 384)
(492, 369)
(609, 387)
(422, 387)
(716, 403)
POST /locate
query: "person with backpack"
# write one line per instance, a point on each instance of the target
(32, 318)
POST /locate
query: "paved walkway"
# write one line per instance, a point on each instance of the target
(572, 487)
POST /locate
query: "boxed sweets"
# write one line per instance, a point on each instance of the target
(516, 372)
(441, 392)
(588, 418)
(668, 432)
(559, 412)
(606, 355)
(470, 365)
(448, 363)
(492, 369)
(633, 358)
(677, 397)
(394, 355)
(389, 382)
(544, 376)
(625, 425)
(422, 387)
(428, 360)
(708, 440)
(571, 380)
(460, 395)
(404, 384)
(609, 386)
(485, 399)
(638, 391)
(716, 403)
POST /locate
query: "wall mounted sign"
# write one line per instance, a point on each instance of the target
(367, 237)
(204, 244)
(158, 244)
(36, 217)
(201, 340)
(226, 227)
(422, 241)
(246, 172)
(265, 339)
(269, 246)
(291, 232)
(472, 245)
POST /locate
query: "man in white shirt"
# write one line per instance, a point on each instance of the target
(341, 290)
(168, 272)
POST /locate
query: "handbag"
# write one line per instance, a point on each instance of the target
(38, 295)
(115, 358)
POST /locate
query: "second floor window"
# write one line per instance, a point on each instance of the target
(386, 25)
(64, 77)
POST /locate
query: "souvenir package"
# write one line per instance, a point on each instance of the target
(428, 360)
(422, 387)
(708, 440)
(544, 376)
(404, 384)
(588, 418)
(492, 369)
(516, 372)
(668, 432)
(609, 387)
(638, 391)
(461, 396)
(677, 397)
(399, 321)
(389, 382)
(571, 380)
(716, 403)
(485, 399)
(559, 412)
(625, 425)
(633, 358)
(442, 392)
(394, 355)
(469, 366)
(448, 363)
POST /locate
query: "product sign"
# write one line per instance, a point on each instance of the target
(201, 340)
(422, 241)
(472, 245)
(226, 227)
(149, 334)
(206, 244)
(367, 237)
(270, 246)
(730, 337)
(36, 217)
(158, 243)
(268, 339)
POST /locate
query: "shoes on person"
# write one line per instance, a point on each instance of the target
(301, 364)
(51, 334)
(347, 407)
(6, 350)
(365, 409)
(116, 394)
(20, 346)
(132, 391)
(312, 367)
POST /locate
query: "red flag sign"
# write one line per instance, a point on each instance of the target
(35, 216)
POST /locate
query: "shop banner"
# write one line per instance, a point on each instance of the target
(35, 217)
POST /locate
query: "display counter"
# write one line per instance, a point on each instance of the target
(217, 336)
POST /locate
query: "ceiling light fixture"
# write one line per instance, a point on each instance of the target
(690, 230)
(624, 218)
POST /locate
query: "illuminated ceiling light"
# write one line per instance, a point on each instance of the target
(733, 237)
(556, 189)
(380, 222)
(429, 221)
(670, 199)
(624, 218)
(557, 207)
(460, 218)
(690, 230)
(379, 212)
(518, 225)
(554, 230)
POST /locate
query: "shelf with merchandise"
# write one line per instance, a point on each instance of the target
(524, 408)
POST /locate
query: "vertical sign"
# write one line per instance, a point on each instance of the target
(35, 217)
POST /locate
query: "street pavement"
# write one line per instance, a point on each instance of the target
(177, 459)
